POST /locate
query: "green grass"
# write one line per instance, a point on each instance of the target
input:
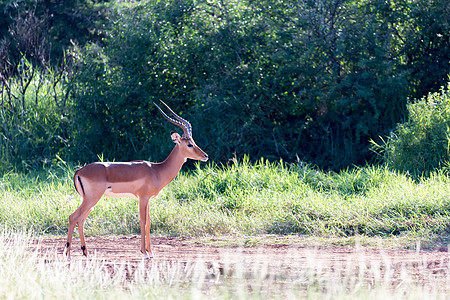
(246, 199)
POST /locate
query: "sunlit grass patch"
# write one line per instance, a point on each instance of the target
(245, 199)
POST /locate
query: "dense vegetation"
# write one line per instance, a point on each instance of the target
(311, 79)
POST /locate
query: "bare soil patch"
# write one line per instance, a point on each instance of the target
(126, 249)
(422, 267)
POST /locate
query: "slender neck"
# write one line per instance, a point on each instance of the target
(170, 168)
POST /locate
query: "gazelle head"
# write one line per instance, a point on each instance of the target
(185, 142)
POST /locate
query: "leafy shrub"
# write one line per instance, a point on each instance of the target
(34, 98)
(422, 144)
(34, 124)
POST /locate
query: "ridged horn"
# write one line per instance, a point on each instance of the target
(184, 124)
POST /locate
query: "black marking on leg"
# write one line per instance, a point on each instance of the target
(67, 245)
(83, 248)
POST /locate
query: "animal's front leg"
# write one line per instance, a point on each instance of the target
(148, 246)
(143, 215)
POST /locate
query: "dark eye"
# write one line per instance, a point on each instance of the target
(190, 145)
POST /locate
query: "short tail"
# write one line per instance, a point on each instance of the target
(78, 184)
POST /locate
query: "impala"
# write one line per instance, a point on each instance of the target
(138, 179)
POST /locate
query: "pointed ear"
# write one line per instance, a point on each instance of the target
(176, 138)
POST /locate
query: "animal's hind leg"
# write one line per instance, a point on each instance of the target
(72, 224)
(85, 209)
(78, 218)
(82, 240)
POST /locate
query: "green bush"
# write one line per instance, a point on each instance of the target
(34, 123)
(422, 144)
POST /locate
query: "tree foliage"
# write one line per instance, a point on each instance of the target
(310, 79)
(63, 22)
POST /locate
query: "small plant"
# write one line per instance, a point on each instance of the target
(421, 144)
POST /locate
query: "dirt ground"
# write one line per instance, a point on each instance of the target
(126, 249)
(426, 267)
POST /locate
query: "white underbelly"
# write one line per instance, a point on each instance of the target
(109, 193)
